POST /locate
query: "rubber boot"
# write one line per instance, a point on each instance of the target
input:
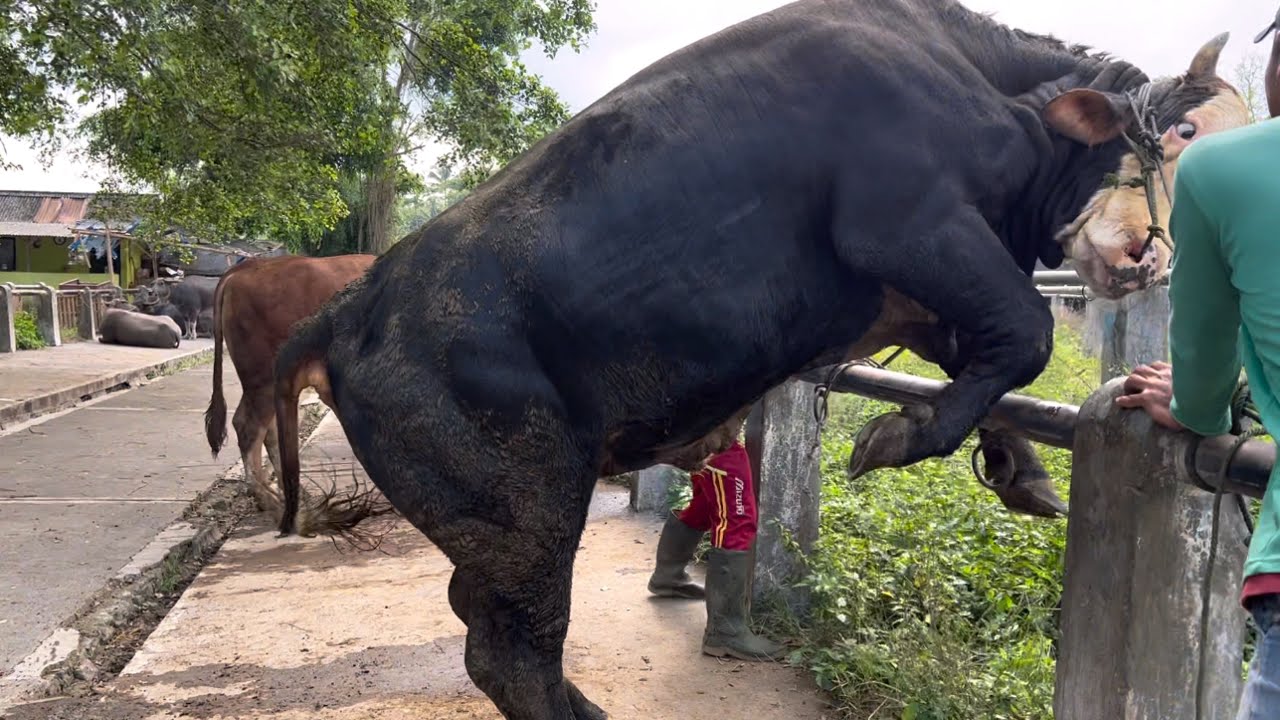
(676, 547)
(727, 634)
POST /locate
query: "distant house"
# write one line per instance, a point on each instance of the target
(55, 238)
(216, 259)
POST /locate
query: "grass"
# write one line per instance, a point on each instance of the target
(930, 600)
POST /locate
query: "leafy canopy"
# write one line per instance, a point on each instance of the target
(240, 116)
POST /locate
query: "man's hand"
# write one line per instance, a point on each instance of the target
(1150, 387)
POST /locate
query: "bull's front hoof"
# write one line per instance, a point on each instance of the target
(887, 441)
(1031, 494)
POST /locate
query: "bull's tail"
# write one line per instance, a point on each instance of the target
(215, 417)
(299, 365)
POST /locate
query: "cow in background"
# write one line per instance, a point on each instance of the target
(255, 306)
(191, 295)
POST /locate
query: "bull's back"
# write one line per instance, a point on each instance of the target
(639, 266)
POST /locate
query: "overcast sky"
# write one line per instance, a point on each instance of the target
(1160, 36)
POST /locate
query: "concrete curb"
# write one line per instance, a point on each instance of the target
(62, 661)
(68, 397)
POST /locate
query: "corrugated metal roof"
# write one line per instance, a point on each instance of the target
(61, 210)
(31, 229)
(18, 207)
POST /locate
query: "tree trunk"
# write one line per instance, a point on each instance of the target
(380, 183)
(380, 201)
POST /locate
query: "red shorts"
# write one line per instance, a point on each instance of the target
(724, 501)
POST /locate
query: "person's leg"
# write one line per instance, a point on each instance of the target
(733, 530)
(1261, 697)
(679, 541)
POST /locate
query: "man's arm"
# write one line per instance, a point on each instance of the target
(1204, 325)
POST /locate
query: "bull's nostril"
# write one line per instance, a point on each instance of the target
(1136, 248)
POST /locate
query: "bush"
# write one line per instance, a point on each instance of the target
(930, 600)
(24, 325)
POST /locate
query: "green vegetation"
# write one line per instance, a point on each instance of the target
(270, 119)
(24, 326)
(931, 601)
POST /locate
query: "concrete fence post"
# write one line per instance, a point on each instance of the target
(8, 336)
(1138, 542)
(47, 316)
(1128, 332)
(87, 317)
(782, 442)
(650, 486)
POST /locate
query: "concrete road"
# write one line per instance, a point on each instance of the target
(298, 629)
(35, 382)
(82, 492)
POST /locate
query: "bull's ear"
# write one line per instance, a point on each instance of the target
(1088, 116)
(1205, 63)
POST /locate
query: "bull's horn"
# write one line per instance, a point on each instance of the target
(1205, 63)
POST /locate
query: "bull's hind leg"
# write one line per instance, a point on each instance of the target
(512, 590)
(460, 600)
(947, 259)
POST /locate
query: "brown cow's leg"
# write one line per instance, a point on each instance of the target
(272, 442)
(250, 434)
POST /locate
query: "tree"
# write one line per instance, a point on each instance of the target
(459, 77)
(277, 117)
(438, 196)
(1248, 79)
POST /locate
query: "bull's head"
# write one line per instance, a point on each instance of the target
(1108, 243)
(154, 294)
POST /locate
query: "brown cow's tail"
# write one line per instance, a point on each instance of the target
(300, 364)
(215, 417)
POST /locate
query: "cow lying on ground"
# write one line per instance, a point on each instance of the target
(255, 305)
(191, 295)
(122, 327)
(815, 183)
(170, 311)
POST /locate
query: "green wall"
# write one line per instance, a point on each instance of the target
(49, 257)
(50, 278)
(50, 263)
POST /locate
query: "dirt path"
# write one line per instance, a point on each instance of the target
(293, 629)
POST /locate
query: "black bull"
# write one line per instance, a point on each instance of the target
(746, 209)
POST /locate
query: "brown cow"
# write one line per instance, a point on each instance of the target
(255, 305)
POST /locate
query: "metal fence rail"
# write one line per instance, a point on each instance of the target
(1054, 424)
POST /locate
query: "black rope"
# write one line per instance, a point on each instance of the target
(1206, 587)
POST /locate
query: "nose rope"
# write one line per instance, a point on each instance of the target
(1150, 154)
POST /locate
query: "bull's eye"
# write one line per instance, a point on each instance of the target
(1186, 130)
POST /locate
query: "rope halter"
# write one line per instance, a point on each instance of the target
(1147, 149)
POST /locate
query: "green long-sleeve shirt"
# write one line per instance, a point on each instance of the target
(1225, 294)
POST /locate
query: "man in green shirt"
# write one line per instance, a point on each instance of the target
(1224, 289)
